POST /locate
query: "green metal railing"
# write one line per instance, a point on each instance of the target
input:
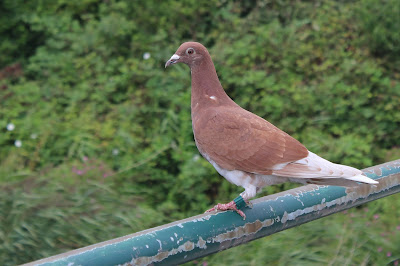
(202, 235)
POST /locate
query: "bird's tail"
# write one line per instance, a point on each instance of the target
(315, 168)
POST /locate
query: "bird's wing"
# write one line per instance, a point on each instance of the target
(236, 139)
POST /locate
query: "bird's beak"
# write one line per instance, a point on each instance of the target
(173, 60)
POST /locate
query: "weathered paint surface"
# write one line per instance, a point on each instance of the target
(205, 234)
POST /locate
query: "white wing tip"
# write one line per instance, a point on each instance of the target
(362, 179)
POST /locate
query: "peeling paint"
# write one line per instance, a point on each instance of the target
(161, 255)
(284, 217)
(299, 200)
(202, 219)
(364, 190)
(299, 192)
(246, 230)
(352, 194)
(159, 242)
(201, 243)
(293, 215)
(209, 233)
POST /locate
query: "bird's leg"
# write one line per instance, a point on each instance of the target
(248, 194)
(238, 203)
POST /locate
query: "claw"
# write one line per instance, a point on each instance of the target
(249, 204)
(228, 206)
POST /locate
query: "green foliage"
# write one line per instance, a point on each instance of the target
(382, 29)
(107, 145)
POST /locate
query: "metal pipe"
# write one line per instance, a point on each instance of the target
(204, 234)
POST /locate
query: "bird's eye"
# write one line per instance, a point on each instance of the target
(190, 51)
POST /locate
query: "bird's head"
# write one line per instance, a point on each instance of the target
(189, 53)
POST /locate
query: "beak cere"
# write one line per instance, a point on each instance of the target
(173, 60)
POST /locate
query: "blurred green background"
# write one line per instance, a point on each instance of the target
(96, 139)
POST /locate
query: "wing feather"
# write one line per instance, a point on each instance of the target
(238, 140)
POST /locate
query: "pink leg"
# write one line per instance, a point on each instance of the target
(228, 206)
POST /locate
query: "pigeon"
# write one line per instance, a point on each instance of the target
(244, 148)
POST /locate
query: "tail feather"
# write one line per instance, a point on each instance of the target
(315, 167)
(362, 179)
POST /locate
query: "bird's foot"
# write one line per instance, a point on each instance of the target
(228, 206)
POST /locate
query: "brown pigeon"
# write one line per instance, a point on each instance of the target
(244, 148)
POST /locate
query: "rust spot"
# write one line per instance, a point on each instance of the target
(161, 256)
(378, 169)
(201, 243)
(187, 246)
(248, 230)
(364, 190)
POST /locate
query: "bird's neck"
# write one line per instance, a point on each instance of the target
(206, 88)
